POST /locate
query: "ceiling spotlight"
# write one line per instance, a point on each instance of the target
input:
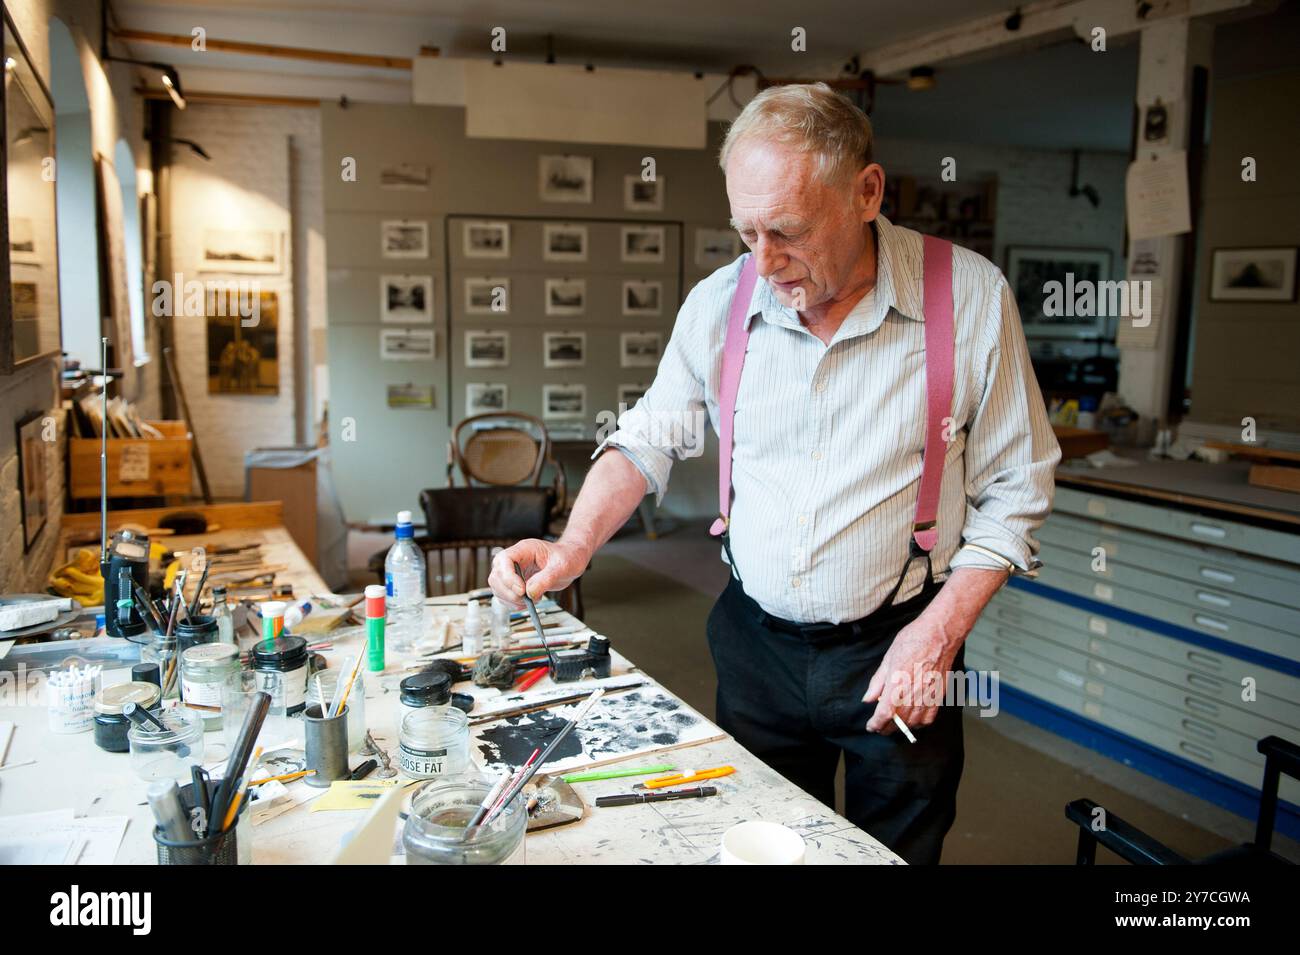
(10, 63)
(171, 81)
(920, 78)
(1012, 22)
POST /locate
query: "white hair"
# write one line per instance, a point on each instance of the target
(812, 118)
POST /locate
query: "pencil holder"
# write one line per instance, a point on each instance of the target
(327, 745)
(222, 848)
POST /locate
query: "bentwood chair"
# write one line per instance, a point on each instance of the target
(1133, 845)
(505, 449)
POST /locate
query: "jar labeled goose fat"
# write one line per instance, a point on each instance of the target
(434, 743)
(205, 668)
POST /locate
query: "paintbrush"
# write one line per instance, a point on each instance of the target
(343, 700)
(240, 753)
(198, 594)
(532, 613)
(564, 731)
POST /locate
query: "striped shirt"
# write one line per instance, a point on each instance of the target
(828, 438)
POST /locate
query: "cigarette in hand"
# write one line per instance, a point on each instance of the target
(898, 721)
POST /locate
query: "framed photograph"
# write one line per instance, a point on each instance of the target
(715, 248)
(567, 431)
(564, 402)
(1253, 275)
(643, 243)
(629, 395)
(566, 296)
(248, 251)
(33, 477)
(405, 176)
(404, 239)
(562, 242)
(565, 178)
(410, 396)
(487, 349)
(640, 349)
(487, 240)
(243, 356)
(407, 344)
(564, 349)
(406, 299)
(482, 397)
(642, 297)
(1030, 268)
(643, 195)
(487, 295)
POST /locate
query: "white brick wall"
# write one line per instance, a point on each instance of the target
(255, 180)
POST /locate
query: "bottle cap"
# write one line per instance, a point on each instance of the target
(375, 595)
(403, 517)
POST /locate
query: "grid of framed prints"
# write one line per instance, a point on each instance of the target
(562, 319)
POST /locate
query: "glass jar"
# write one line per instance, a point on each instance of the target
(286, 655)
(224, 616)
(169, 753)
(193, 631)
(204, 671)
(434, 833)
(434, 742)
(161, 650)
(110, 725)
(325, 682)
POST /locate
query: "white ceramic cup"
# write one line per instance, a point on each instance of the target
(762, 843)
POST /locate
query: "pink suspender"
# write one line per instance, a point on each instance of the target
(938, 387)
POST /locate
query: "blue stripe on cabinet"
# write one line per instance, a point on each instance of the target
(1174, 770)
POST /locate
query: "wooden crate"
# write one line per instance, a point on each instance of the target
(1079, 442)
(137, 467)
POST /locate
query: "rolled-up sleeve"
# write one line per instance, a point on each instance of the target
(670, 422)
(1011, 452)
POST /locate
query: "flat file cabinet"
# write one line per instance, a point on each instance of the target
(1166, 637)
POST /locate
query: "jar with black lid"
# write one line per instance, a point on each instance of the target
(287, 655)
(191, 631)
(110, 724)
(425, 689)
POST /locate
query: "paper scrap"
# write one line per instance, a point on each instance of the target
(346, 794)
(1156, 197)
(38, 838)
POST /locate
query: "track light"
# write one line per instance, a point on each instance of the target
(171, 81)
(920, 78)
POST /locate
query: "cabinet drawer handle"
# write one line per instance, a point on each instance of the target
(1222, 576)
(1011, 616)
(1205, 707)
(1218, 600)
(1204, 659)
(1006, 634)
(1214, 623)
(1004, 652)
(1202, 682)
(1200, 752)
(1209, 530)
(1200, 729)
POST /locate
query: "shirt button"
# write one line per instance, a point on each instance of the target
(795, 582)
(816, 455)
(803, 519)
(821, 386)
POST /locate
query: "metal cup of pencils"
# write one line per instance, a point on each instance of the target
(205, 844)
(327, 745)
(437, 830)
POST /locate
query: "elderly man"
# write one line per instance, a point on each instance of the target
(885, 458)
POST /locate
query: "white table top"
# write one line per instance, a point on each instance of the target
(71, 771)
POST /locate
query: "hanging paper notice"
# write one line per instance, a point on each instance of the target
(1156, 194)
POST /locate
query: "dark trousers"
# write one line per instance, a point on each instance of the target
(795, 701)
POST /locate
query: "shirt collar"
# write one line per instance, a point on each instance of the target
(898, 286)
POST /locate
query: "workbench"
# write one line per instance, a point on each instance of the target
(70, 771)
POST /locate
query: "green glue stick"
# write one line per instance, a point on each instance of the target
(375, 627)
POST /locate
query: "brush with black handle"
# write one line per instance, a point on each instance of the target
(240, 754)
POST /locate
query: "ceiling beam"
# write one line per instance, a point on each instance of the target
(1040, 23)
(231, 99)
(265, 49)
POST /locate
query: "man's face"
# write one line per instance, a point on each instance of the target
(806, 236)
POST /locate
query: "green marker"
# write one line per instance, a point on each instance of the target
(375, 627)
(598, 775)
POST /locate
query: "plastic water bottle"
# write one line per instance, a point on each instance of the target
(404, 587)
